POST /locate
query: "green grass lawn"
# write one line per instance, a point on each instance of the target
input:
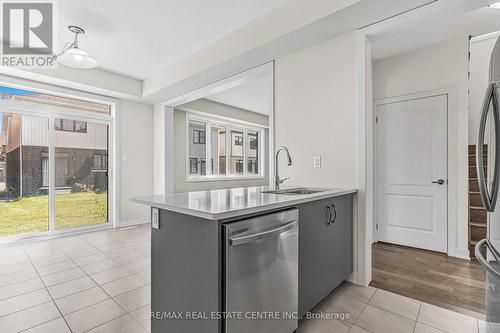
(30, 214)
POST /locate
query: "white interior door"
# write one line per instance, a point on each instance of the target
(412, 157)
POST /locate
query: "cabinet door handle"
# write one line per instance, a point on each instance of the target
(334, 215)
(328, 215)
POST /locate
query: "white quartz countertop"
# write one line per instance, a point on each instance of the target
(229, 203)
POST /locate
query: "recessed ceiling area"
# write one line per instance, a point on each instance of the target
(141, 37)
(429, 31)
(255, 94)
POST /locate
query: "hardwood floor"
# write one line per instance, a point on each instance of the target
(431, 277)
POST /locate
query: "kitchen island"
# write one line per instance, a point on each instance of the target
(193, 269)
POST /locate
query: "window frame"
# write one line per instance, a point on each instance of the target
(228, 125)
(199, 141)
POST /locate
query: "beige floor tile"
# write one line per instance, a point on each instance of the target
(123, 285)
(131, 258)
(93, 316)
(24, 301)
(56, 268)
(64, 276)
(400, 305)
(381, 321)
(77, 251)
(110, 275)
(135, 299)
(12, 260)
(87, 260)
(100, 266)
(446, 320)
(123, 324)
(14, 268)
(42, 253)
(28, 318)
(54, 326)
(422, 328)
(360, 293)
(343, 304)
(145, 275)
(143, 316)
(11, 252)
(323, 326)
(120, 251)
(21, 288)
(71, 287)
(80, 300)
(69, 241)
(357, 329)
(18, 277)
(44, 261)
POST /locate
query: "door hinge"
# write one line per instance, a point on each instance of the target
(376, 226)
(376, 119)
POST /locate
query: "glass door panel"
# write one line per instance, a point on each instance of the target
(81, 173)
(24, 174)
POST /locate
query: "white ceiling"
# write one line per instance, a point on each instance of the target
(255, 95)
(138, 38)
(429, 31)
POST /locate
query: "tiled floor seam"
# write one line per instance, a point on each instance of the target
(6, 298)
(113, 298)
(126, 314)
(24, 270)
(418, 314)
(53, 301)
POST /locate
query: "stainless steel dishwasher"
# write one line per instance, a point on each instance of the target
(261, 274)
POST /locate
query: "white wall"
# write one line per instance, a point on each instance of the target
(136, 157)
(159, 141)
(480, 54)
(439, 66)
(315, 113)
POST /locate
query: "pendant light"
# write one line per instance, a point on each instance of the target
(73, 56)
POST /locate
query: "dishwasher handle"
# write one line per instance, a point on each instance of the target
(255, 237)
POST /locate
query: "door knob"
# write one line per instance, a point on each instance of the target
(439, 181)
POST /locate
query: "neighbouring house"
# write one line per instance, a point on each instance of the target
(197, 151)
(81, 155)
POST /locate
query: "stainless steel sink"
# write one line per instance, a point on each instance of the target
(295, 191)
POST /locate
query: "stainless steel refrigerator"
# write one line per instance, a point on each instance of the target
(489, 177)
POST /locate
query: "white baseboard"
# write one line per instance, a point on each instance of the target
(462, 254)
(129, 223)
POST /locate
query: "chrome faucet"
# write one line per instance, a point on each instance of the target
(277, 180)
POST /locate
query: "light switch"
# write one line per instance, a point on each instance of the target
(155, 218)
(317, 162)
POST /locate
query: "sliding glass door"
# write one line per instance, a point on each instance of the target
(54, 173)
(81, 173)
(24, 177)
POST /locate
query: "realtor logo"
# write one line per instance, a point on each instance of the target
(28, 34)
(27, 28)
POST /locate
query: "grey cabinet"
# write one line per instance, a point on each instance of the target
(325, 248)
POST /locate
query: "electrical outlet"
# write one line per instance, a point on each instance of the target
(155, 218)
(317, 162)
